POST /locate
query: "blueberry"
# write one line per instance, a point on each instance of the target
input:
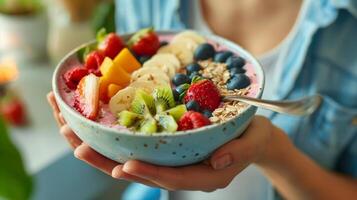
(143, 59)
(222, 56)
(194, 67)
(238, 81)
(176, 95)
(235, 71)
(180, 79)
(193, 105)
(204, 51)
(235, 62)
(207, 113)
(164, 43)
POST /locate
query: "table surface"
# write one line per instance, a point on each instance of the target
(39, 143)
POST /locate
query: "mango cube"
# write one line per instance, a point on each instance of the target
(126, 60)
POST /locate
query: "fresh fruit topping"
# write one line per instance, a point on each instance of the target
(164, 98)
(176, 95)
(194, 67)
(126, 60)
(165, 66)
(144, 42)
(148, 86)
(122, 100)
(157, 112)
(205, 93)
(191, 35)
(180, 50)
(238, 81)
(222, 56)
(113, 89)
(193, 105)
(87, 96)
(191, 120)
(167, 122)
(143, 103)
(163, 43)
(177, 111)
(13, 110)
(182, 89)
(143, 59)
(127, 118)
(93, 60)
(235, 62)
(148, 125)
(180, 79)
(204, 52)
(111, 74)
(111, 45)
(207, 113)
(73, 76)
(154, 74)
(194, 74)
(235, 71)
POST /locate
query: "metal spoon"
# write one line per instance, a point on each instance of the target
(304, 106)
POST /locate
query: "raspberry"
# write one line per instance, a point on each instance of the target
(73, 76)
(205, 93)
(94, 60)
(191, 120)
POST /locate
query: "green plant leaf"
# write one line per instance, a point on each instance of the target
(104, 17)
(15, 183)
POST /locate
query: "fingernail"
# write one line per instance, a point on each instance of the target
(222, 162)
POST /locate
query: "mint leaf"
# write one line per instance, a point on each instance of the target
(15, 183)
(101, 34)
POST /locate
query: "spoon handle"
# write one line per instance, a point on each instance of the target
(304, 106)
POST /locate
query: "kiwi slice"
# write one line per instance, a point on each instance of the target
(127, 118)
(166, 122)
(177, 111)
(164, 99)
(143, 103)
(148, 125)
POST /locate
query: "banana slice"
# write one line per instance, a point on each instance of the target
(155, 71)
(148, 86)
(166, 67)
(192, 35)
(180, 50)
(122, 100)
(168, 57)
(156, 79)
(188, 42)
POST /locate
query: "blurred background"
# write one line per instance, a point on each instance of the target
(35, 162)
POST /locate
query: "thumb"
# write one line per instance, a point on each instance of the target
(245, 149)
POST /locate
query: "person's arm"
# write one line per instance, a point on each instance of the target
(292, 173)
(298, 177)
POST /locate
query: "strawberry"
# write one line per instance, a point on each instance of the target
(74, 75)
(93, 62)
(205, 93)
(13, 110)
(111, 45)
(145, 42)
(191, 120)
(87, 97)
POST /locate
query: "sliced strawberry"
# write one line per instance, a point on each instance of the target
(87, 97)
(191, 120)
(205, 93)
(73, 76)
(145, 42)
(93, 62)
(111, 45)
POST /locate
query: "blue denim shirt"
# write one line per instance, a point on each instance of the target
(321, 58)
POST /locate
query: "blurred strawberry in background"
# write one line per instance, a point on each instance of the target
(12, 109)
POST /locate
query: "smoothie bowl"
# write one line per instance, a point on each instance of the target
(157, 96)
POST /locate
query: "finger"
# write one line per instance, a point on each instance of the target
(61, 119)
(245, 149)
(58, 119)
(118, 173)
(70, 136)
(52, 101)
(93, 158)
(200, 176)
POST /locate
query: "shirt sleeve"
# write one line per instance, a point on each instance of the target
(347, 164)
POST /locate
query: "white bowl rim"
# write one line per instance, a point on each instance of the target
(227, 43)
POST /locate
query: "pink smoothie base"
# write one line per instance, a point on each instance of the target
(107, 118)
